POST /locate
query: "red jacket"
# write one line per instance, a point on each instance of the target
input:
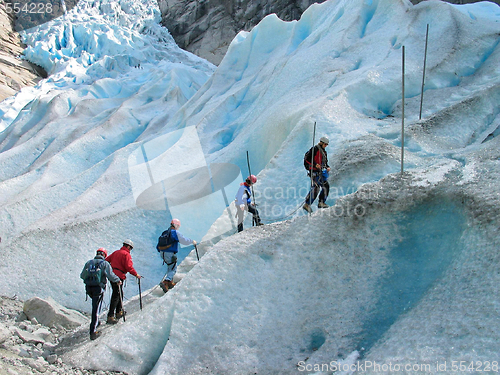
(320, 157)
(121, 262)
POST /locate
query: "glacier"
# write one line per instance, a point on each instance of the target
(401, 269)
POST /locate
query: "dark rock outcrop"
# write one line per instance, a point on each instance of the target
(207, 27)
(15, 73)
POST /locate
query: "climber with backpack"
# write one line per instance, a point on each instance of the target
(243, 202)
(95, 275)
(316, 164)
(168, 247)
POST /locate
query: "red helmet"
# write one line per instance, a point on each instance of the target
(103, 251)
(176, 223)
(251, 179)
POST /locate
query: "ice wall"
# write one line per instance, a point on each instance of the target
(408, 237)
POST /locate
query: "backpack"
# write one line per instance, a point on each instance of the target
(307, 159)
(165, 241)
(93, 273)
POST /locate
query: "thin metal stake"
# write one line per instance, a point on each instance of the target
(423, 74)
(312, 164)
(403, 116)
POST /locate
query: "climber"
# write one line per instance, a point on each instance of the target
(95, 275)
(316, 162)
(121, 262)
(243, 202)
(168, 246)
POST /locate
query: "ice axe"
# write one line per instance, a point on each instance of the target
(196, 248)
(120, 292)
(140, 293)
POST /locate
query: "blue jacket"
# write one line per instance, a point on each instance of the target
(177, 237)
(243, 195)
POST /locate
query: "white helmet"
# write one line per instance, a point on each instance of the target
(128, 242)
(325, 140)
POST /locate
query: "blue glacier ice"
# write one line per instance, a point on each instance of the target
(129, 131)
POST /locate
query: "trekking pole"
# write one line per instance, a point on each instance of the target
(197, 256)
(99, 307)
(254, 220)
(120, 292)
(140, 293)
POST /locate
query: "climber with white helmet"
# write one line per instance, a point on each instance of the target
(168, 246)
(243, 202)
(121, 262)
(316, 164)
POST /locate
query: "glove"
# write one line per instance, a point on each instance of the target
(243, 207)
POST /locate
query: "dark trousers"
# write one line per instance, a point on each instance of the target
(96, 293)
(115, 305)
(318, 184)
(240, 212)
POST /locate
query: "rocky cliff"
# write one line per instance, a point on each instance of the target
(14, 72)
(207, 27)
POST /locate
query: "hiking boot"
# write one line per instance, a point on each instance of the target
(322, 205)
(120, 314)
(164, 286)
(170, 284)
(111, 320)
(260, 223)
(307, 208)
(95, 335)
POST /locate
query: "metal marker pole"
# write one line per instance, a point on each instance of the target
(403, 115)
(423, 74)
(312, 164)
